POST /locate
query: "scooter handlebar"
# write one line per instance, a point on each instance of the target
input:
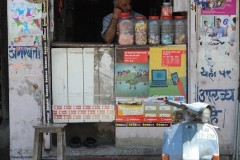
(174, 103)
(196, 111)
(177, 104)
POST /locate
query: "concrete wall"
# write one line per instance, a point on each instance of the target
(25, 75)
(207, 56)
(26, 82)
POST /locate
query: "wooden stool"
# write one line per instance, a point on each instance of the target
(38, 139)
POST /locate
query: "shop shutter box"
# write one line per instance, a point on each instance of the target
(82, 85)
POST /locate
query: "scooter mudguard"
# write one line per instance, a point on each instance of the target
(190, 141)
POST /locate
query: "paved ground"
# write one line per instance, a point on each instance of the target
(92, 154)
(75, 154)
(116, 158)
(4, 140)
(110, 153)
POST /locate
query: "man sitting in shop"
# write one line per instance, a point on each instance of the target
(109, 30)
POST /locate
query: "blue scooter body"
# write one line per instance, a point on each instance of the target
(190, 141)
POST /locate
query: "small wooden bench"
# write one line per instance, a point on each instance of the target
(38, 139)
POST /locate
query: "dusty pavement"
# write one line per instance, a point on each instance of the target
(72, 155)
(4, 140)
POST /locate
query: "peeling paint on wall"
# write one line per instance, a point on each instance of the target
(25, 74)
(217, 82)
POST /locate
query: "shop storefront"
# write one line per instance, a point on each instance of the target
(60, 71)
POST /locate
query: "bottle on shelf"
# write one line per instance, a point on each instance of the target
(140, 30)
(125, 29)
(167, 30)
(180, 36)
(154, 30)
(166, 10)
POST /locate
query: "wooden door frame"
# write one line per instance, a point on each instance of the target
(4, 61)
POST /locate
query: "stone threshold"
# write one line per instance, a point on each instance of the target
(106, 151)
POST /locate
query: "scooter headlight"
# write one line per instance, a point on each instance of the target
(206, 115)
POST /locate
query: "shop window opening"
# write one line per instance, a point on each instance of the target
(81, 21)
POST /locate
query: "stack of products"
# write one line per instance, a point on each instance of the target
(156, 30)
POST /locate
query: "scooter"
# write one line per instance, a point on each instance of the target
(194, 138)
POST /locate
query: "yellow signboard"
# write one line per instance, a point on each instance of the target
(167, 70)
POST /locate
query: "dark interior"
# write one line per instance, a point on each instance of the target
(81, 20)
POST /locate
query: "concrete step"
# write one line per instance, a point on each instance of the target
(117, 158)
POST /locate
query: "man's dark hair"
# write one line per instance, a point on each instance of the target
(234, 20)
(219, 19)
(204, 21)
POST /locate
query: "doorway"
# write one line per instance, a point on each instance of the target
(81, 21)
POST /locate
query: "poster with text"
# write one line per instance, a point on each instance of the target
(218, 29)
(219, 7)
(148, 110)
(131, 72)
(168, 71)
